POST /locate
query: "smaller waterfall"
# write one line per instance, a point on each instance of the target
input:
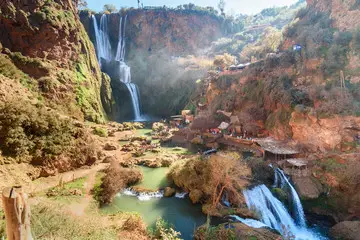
(146, 196)
(298, 210)
(120, 53)
(274, 214)
(135, 100)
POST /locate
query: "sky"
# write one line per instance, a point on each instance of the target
(233, 6)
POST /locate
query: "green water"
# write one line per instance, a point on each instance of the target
(181, 213)
(154, 178)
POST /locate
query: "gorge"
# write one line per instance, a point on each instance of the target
(259, 135)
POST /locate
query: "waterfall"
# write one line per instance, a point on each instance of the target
(298, 210)
(125, 71)
(102, 39)
(104, 53)
(274, 214)
(135, 99)
(120, 53)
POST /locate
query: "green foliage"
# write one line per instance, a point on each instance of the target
(225, 81)
(86, 95)
(111, 8)
(312, 31)
(281, 116)
(357, 39)
(356, 5)
(329, 164)
(56, 16)
(216, 232)
(49, 221)
(164, 230)
(8, 69)
(102, 132)
(68, 190)
(33, 133)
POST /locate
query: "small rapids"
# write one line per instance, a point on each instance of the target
(146, 196)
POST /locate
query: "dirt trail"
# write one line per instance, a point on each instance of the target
(78, 209)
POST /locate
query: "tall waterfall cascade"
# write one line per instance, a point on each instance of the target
(273, 212)
(103, 46)
(104, 53)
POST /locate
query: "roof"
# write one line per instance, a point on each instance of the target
(297, 162)
(276, 147)
(223, 125)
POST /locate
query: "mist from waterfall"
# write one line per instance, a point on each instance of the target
(104, 53)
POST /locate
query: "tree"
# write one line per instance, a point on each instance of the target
(109, 8)
(82, 4)
(221, 6)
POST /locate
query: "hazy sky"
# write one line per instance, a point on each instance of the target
(238, 6)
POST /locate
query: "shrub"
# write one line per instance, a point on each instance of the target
(32, 133)
(115, 180)
(208, 179)
(102, 132)
(164, 230)
(357, 39)
(343, 38)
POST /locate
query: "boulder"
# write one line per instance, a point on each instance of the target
(308, 187)
(109, 159)
(110, 147)
(169, 192)
(348, 230)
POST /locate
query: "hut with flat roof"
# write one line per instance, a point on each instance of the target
(276, 150)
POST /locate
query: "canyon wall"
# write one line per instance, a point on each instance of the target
(155, 39)
(298, 94)
(150, 31)
(49, 46)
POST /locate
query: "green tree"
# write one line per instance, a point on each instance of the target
(109, 8)
(82, 4)
(221, 6)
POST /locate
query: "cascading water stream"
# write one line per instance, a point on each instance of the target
(102, 39)
(104, 53)
(273, 213)
(125, 71)
(298, 210)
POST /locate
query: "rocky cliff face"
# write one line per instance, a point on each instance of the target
(336, 9)
(298, 94)
(174, 32)
(154, 41)
(47, 43)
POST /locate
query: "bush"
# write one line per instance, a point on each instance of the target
(164, 230)
(116, 179)
(206, 180)
(32, 133)
(101, 132)
(357, 39)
